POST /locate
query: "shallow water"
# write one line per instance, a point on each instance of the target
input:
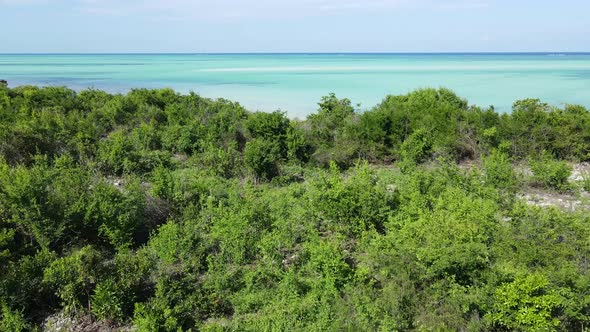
(296, 82)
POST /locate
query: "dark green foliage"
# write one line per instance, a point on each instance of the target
(585, 183)
(297, 146)
(139, 209)
(262, 157)
(268, 125)
(181, 139)
(529, 127)
(331, 118)
(74, 276)
(534, 127)
(117, 214)
(435, 112)
(20, 287)
(331, 132)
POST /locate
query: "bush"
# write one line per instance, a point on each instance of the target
(434, 247)
(72, 277)
(551, 173)
(116, 154)
(106, 302)
(297, 146)
(526, 304)
(117, 214)
(416, 149)
(498, 170)
(12, 320)
(262, 157)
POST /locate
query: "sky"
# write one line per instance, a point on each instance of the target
(227, 26)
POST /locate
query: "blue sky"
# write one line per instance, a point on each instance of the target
(294, 25)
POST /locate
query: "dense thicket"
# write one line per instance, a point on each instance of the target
(172, 212)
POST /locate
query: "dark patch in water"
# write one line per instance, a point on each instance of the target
(68, 81)
(69, 64)
(577, 75)
(245, 83)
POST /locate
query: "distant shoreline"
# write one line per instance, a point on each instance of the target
(302, 53)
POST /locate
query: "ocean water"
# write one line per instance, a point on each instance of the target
(295, 83)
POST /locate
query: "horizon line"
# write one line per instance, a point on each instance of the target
(295, 53)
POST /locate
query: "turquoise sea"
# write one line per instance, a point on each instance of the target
(295, 82)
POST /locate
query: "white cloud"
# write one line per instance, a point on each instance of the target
(22, 2)
(473, 4)
(220, 9)
(244, 8)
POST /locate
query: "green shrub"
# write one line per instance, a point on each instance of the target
(526, 304)
(116, 213)
(216, 161)
(73, 277)
(106, 303)
(172, 308)
(550, 172)
(146, 319)
(352, 205)
(498, 170)
(12, 320)
(290, 173)
(181, 139)
(268, 125)
(116, 154)
(262, 157)
(416, 149)
(436, 247)
(298, 148)
(22, 284)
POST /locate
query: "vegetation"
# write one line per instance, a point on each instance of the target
(172, 212)
(550, 172)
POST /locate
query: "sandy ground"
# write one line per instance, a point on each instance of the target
(576, 200)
